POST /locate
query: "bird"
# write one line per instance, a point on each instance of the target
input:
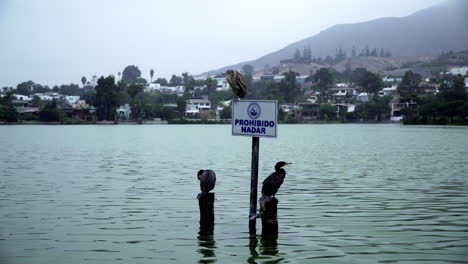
(273, 182)
(237, 83)
(207, 180)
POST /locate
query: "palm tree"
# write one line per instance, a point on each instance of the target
(151, 74)
(83, 81)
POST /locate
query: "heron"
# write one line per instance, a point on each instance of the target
(236, 81)
(273, 182)
(207, 180)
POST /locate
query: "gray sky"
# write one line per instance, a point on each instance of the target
(58, 41)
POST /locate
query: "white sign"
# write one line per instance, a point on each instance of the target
(254, 118)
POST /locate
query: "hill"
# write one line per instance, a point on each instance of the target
(428, 32)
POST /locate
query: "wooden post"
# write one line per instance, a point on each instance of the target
(254, 184)
(269, 210)
(206, 204)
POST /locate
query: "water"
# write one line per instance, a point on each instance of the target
(126, 194)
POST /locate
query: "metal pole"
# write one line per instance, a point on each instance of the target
(254, 184)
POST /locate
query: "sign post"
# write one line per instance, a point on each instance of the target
(254, 118)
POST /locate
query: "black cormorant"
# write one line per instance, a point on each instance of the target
(207, 180)
(273, 182)
(237, 83)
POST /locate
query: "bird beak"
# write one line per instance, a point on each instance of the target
(287, 163)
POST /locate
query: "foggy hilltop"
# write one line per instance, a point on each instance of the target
(428, 32)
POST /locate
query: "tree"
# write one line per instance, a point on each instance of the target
(247, 69)
(327, 111)
(289, 87)
(226, 113)
(161, 81)
(340, 55)
(106, 100)
(70, 89)
(297, 55)
(307, 54)
(388, 53)
(211, 85)
(83, 80)
(130, 74)
(151, 74)
(181, 105)
(8, 112)
(36, 101)
(370, 83)
(135, 89)
(407, 88)
(323, 80)
(49, 113)
(175, 80)
(25, 88)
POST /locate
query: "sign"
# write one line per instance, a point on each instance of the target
(254, 118)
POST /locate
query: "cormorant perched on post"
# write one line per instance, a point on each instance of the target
(236, 81)
(207, 180)
(273, 182)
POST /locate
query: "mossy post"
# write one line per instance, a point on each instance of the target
(206, 204)
(269, 212)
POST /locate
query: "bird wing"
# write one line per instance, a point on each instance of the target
(207, 181)
(241, 84)
(271, 184)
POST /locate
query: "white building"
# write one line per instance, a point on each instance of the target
(152, 87)
(72, 99)
(124, 111)
(459, 70)
(289, 108)
(388, 91)
(363, 97)
(22, 97)
(222, 83)
(194, 106)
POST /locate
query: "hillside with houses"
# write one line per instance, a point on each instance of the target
(323, 95)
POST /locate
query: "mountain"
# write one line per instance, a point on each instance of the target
(428, 32)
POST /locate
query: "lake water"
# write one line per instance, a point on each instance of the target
(126, 194)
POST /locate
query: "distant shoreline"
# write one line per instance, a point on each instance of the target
(209, 122)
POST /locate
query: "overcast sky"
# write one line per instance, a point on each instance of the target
(59, 41)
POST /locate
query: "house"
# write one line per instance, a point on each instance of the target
(81, 111)
(308, 111)
(72, 99)
(222, 83)
(22, 97)
(426, 88)
(289, 108)
(459, 70)
(363, 97)
(347, 108)
(124, 112)
(195, 107)
(152, 87)
(343, 91)
(389, 91)
(395, 110)
(20, 103)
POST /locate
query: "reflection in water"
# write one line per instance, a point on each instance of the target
(268, 250)
(253, 242)
(206, 245)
